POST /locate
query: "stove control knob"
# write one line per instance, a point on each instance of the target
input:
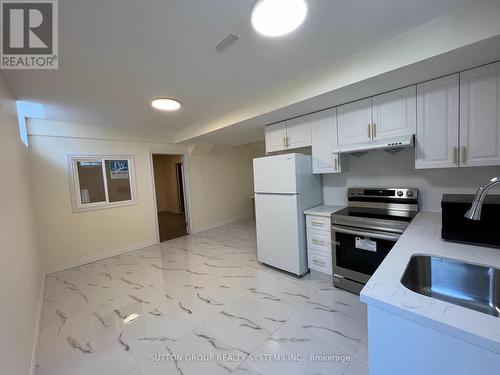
(409, 193)
(360, 192)
(400, 193)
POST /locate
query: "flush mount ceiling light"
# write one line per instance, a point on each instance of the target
(278, 17)
(165, 104)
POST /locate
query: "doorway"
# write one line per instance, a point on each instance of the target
(168, 173)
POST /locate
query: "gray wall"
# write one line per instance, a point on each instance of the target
(380, 169)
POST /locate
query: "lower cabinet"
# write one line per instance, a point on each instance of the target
(319, 244)
(400, 345)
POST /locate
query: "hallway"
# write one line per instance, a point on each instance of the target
(171, 225)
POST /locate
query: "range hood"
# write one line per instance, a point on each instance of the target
(388, 144)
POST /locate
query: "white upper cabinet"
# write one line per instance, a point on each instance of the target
(456, 120)
(436, 143)
(275, 137)
(374, 119)
(394, 113)
(480, 116)
(289, 134)
(353, 123)
(324, 140)
(298, 131)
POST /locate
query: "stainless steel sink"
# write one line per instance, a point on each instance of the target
(464, 284)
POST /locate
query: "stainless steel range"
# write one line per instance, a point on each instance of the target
(364, 232)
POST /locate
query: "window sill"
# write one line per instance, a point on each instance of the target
(103, 206)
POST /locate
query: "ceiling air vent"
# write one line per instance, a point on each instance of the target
(225, 43)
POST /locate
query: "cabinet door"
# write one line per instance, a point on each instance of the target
(480, 116)
(324, 139)
(298, 131)
(437, 123)
(275, 137)
(353, 123)
(394, 113)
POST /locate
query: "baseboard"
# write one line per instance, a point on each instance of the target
(206, 227)
(98, 256)
(38, 326)
(172, 211)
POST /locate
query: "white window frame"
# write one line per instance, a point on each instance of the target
(74, 182)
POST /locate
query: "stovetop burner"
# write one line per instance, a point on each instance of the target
(383, 209)
(378, 213)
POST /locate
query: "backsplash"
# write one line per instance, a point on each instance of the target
(381, 169)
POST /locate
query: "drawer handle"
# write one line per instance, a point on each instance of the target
(318, 242)
(317, 223)
(318, 262)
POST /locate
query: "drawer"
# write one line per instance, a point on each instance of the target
(318, 222)
(319, 240)
(320, 262)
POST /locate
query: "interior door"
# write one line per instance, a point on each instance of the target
(298, 131)
(275, 137)
(480, 116)
(395, 113)
(437, 123)
(277, 231)
(353, 122)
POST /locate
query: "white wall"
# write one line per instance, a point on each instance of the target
(223, 182)
(66, 236)
(21, 278)
(380, 169)
(219, 186)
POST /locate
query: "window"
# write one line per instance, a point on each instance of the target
(101, 182)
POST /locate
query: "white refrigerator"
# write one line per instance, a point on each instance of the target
(284, 187)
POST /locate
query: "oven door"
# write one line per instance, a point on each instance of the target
(357, 253)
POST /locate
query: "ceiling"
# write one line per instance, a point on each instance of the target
(116, 55)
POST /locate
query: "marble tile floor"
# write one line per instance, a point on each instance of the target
(202, 305)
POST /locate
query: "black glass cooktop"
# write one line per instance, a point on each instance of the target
(377, 213)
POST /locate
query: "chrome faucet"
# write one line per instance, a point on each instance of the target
(474, 212)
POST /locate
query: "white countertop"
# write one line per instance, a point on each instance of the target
(323, 210)
(385, 291)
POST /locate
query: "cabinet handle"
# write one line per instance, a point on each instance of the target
(370, 131)
(455, 155)
(336, 165)
(374, 131)
(318, 262)
(318, 242)
(317, 223)
(464, 155)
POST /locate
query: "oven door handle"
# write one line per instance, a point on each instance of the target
(380, 236)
